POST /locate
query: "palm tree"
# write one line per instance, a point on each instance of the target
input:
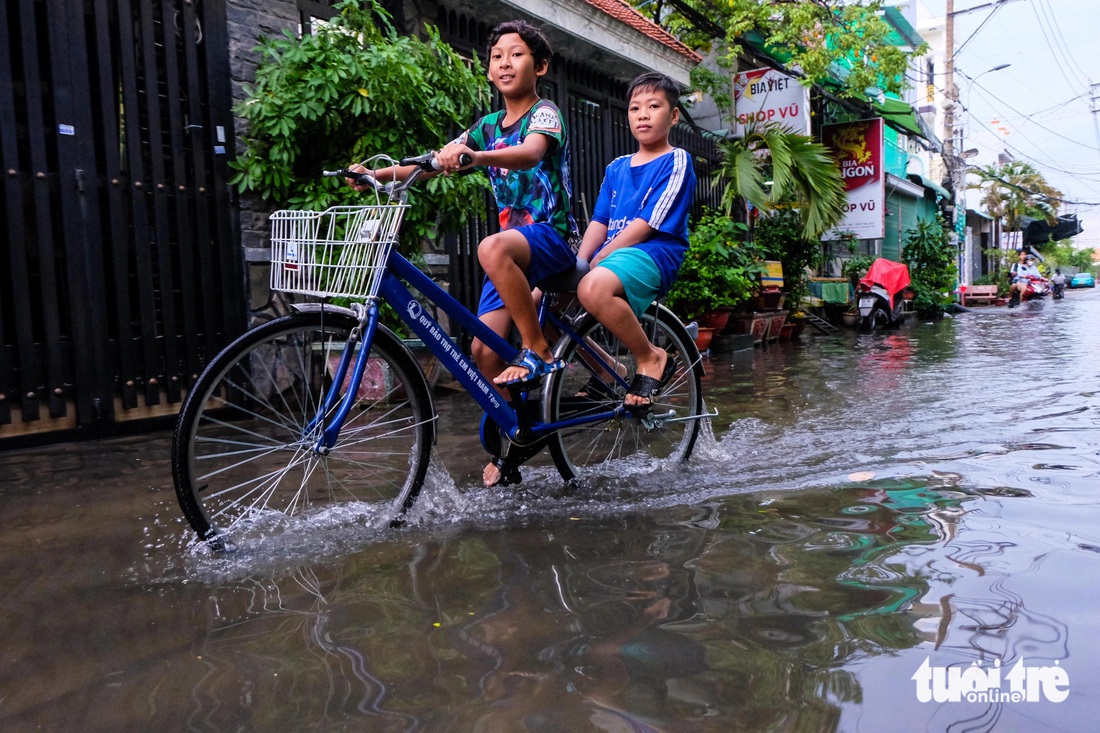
(1015, 190)
(772, 167)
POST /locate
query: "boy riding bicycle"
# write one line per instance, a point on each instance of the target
(524, 149)
(638, 235)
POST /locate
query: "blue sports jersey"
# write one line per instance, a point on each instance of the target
(660, 192)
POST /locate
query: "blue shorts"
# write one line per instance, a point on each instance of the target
(550, 254)
(639, 275)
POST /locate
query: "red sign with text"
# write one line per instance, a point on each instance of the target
(858, 149)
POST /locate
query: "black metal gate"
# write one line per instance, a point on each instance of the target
(121, 270)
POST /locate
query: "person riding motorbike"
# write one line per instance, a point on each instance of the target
(1022, 274)
(1058, 284)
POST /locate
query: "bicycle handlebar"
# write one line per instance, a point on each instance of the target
(424, 163)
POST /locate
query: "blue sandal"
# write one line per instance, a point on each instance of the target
(535, 366)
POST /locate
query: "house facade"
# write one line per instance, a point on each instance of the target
(131, 261)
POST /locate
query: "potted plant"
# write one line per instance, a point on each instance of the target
(854, 268)
(931, 259)
(780, 172)
(720, 269)
(779, 233)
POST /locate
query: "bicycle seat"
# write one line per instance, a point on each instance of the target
(565, 282)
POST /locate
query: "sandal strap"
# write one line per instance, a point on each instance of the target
(645, 386)
(527, 359)
(536, 368)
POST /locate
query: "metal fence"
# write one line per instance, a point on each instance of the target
(121, 275)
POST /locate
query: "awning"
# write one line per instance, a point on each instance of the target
(899, 115)
(895, 183)
(902, 33)
(980, 214)
(931, 185)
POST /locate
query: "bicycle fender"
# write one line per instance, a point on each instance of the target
(327, 307)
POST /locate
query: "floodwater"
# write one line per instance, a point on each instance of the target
(877, 520)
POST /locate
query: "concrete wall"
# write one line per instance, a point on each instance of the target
(247, 21)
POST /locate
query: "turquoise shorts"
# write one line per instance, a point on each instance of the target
(639, 275)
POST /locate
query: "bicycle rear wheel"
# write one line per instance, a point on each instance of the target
(243, 454)
(579, 449)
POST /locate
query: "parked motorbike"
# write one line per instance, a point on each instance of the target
(878, 295)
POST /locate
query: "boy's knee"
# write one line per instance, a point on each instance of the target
(483, 355)
(492, 250)
(587, 291)
(595, 288)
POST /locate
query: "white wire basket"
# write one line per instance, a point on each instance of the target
(340, 252)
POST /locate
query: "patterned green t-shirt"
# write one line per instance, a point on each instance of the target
(537, 195)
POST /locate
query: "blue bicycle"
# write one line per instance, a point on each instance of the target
(327, 410)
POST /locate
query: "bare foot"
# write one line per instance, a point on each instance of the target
(491, 475)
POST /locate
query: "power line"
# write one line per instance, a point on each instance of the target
(1046, 164)
(1039, 194)
(1062, 63)
(996, 100)
(1056, 30)
(989, 17)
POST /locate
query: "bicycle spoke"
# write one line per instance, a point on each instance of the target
(240, 449)
(579, 449)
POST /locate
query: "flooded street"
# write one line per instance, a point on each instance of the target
(879, 528)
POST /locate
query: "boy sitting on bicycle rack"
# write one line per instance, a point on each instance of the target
(525, 149)
(639, 234)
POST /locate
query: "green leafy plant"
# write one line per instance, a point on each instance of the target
(779, 236)
(827, 41)
(772, 167)
(931, 259)
(1063, 254)
(1015, 190)
(353, 89)
(720, 268)
(855, 267)
(1002, 283)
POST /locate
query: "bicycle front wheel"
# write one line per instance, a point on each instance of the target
(245, 454)
(663, 434)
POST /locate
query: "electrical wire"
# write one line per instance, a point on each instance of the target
(1059, 57)
(980, 26)
(995, 100)
(1056, 30)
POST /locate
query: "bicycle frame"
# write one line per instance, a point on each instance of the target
(393, 290)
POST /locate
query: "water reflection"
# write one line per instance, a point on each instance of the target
(728, 616)
(869, 502)
(714, 598)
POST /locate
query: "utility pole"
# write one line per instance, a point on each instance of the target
(958, 219)
(1094, 94)
(949, 92)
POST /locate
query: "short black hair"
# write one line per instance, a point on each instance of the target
(655, 81)
(534, 38)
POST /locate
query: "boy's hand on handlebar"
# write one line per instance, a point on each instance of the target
(358, 168)
(455, 157)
